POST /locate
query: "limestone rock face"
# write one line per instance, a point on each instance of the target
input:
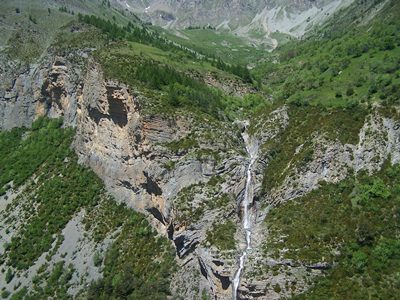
(49, 88)
(129, 151)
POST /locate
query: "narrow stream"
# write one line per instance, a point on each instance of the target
(252, 150)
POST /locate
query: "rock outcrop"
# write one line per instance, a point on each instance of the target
(49, 88)
(332, 161)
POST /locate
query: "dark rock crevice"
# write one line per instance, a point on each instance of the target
(97, 115)
(185, 245)
(117, 111)
(203, 269)
(151, 186)
(156, 213)
(225, 281)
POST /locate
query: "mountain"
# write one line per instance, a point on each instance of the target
(253, 20)
(141, 162)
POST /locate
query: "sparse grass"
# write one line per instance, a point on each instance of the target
(81, 37)
(30, 32)
(281, 37)
(27, 40)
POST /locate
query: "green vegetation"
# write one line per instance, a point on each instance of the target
(133, 268)
(357, 65)
(63, 188)
(138, 264)
(190, 210)
(144, 36)
(9, 275)
(218, 43)
(183, 145)
(353, 224)
(21, 157)
(134, 34)
(329, 82)
(86, 37)
(28, 29)
(222, 235)
(238, 70)
(56, 283)
(31, 27)
(179, 90)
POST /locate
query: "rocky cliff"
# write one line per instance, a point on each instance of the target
(142, 158)
(187, 173)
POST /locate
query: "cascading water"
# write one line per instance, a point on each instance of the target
(252, 150)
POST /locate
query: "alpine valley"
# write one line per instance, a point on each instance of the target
(159, 149)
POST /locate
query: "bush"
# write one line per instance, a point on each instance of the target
(367, 193)
(9, 276)
(386, 250)
(350, 91)
(359, 260)
(277, 288)
(222, 235)
(5, 294)
(97, 259)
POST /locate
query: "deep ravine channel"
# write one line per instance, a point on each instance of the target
(246, 203)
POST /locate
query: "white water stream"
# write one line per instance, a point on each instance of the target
(252, 150)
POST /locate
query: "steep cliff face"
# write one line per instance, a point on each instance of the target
(49, 88)
(153, 163)
(144, 162)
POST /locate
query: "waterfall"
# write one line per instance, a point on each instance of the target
(252, 150)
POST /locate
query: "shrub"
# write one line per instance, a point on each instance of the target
(277, 288)
(9, 276)
(97, 259)
(359, 260)
(350, 91)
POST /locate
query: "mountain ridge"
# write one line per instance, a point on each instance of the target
(243, 18)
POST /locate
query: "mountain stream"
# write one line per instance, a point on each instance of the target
(246, 203)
